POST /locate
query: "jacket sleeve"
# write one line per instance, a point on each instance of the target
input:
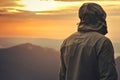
(62, 72)
(106, 62)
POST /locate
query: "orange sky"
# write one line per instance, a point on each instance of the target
(20, 19)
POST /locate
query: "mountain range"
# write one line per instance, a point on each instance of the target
(29, 62)
(44, 42)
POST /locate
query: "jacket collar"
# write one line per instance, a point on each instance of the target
(98, 27)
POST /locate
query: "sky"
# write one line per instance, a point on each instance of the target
(51, 19)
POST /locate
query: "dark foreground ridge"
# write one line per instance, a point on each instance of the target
(29, 62)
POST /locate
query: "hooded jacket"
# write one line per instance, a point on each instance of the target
(87, 55)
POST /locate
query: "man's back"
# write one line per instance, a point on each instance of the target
(80, 55)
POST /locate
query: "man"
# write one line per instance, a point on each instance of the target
(88, 54)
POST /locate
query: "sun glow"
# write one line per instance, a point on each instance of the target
(39, 5)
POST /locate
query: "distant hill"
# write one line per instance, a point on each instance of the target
(117, 47)
(50, 43)
(118, 66)
(29, 62)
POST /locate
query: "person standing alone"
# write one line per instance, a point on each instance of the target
(87, 54)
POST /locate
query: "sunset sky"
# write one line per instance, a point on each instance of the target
(50, 19)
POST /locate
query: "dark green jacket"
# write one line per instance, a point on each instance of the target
(87, 55)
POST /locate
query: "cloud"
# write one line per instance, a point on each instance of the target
(9, 3)
(67, 12)
(23, 14)
(3, 10)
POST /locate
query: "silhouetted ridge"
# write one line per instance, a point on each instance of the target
(118, 66)
(26, 46)
(29, 62)
(9, 42)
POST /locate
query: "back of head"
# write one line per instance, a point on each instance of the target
(92, 14)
